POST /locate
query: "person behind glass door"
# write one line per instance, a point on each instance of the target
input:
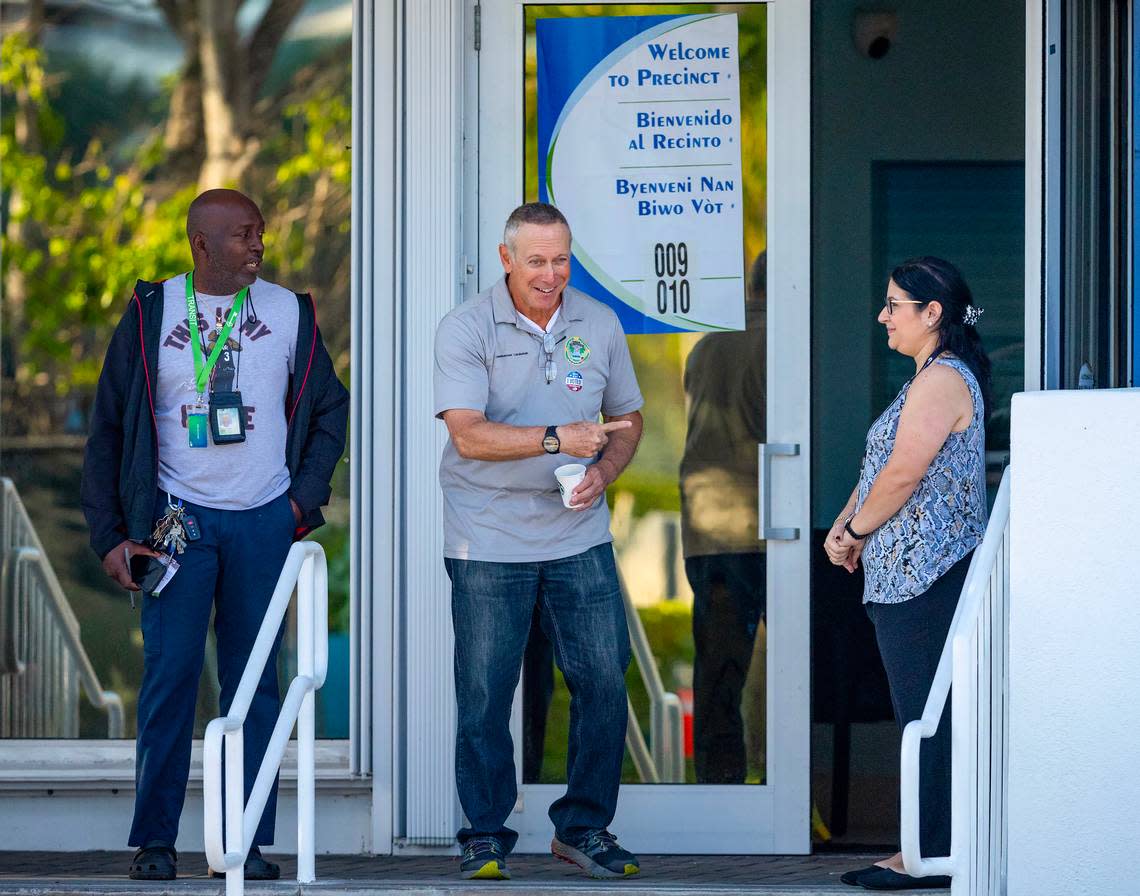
(724, 559)
(522, 373)
(916, 516)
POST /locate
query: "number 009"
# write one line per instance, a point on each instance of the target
(670, 262)
(671, 259)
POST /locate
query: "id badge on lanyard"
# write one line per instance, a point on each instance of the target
(227, 418)
(223, 418)
(197, 425)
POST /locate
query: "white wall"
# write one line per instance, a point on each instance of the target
(65, 818)
(66, 795)
(1074, 776)
(952, 88)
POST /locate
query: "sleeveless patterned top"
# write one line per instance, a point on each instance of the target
(942, 521)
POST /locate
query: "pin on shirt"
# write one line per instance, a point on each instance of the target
(577, 351)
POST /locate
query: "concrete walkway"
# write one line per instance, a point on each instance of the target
(104, 874)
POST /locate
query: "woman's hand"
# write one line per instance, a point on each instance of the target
(842, 549)
(832, 545)
(852, 547)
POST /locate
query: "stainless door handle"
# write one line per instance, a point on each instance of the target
(767, 452)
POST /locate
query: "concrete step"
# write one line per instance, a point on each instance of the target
(104, 874)
(193, 887)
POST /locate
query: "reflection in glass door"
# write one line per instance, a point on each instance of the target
(685, 511)
(686, 518)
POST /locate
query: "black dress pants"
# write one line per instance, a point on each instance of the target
(911, 636)
(728, 603)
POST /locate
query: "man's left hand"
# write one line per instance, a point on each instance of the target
(589, 489)
(297, 512)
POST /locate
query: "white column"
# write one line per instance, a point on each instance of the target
(432, 65)
(376, 396)
(1074, 640)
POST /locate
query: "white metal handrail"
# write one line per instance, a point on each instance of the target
(975, 662)
(306, 568)
(663, 761)
(43, 665)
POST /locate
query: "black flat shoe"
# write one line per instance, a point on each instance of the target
(154, 863)
(887, 879)
(852, 878)
(259, 868)
(256, 867)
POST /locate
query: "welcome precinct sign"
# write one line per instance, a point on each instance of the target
(639, 146)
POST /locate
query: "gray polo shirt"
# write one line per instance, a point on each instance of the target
(487, 360)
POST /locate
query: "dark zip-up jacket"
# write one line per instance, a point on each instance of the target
(120, 466)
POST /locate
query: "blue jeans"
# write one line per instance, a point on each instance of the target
(231, 569)
(582, 614)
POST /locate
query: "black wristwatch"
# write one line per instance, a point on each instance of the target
(551, 444)
(852, 532)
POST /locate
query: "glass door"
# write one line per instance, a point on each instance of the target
(682, 131)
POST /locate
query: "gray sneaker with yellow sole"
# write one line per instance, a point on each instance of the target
(598, 854)
(484, 859)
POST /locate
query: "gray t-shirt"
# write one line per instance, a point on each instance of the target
(488, 360)
(245, 474)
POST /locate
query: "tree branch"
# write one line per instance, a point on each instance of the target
(178, 14)
(265, 39)
(223, 118)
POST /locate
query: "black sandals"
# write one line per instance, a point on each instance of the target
(154, 863)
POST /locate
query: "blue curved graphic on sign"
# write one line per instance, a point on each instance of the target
(572, 55)
(665, 23)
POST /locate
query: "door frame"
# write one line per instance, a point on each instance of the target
(749, 818)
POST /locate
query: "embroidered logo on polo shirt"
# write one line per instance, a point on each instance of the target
(574, 381)
(576, 350)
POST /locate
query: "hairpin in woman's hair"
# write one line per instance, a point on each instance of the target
(971, 315)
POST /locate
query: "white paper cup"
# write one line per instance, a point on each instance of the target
(568, 476)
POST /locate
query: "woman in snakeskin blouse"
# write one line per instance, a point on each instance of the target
(916, 515)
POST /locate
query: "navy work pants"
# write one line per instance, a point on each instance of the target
(231, 569)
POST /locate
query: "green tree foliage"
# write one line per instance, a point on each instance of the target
(92, 225)
(88, 230)
(93, 199)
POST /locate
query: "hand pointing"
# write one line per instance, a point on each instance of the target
(586, 439)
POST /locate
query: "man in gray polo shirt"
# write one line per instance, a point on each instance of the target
(522, 373)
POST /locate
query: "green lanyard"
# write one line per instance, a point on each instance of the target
(202, 371)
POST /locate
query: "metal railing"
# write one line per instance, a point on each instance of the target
(43, 665)
(975, 661)
(305, 567)
(662, 761)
